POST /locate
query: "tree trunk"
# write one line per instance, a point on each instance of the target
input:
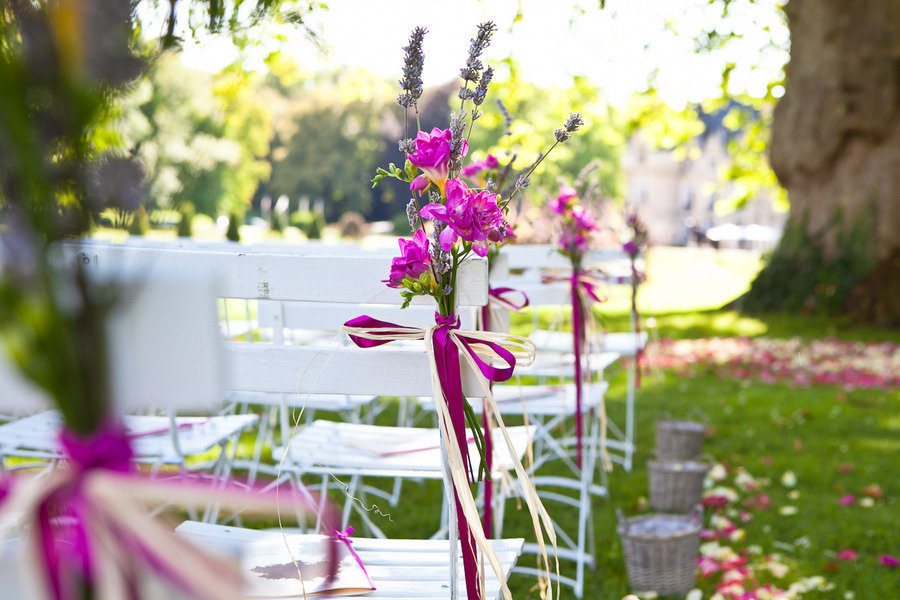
(836, 145)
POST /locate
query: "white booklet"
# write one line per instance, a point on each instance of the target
(275, 569)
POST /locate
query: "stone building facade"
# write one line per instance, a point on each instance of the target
(676, 192)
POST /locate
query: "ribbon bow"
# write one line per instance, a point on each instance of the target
(344, 536)
(91, 531)
(482, 351)
(584, 291)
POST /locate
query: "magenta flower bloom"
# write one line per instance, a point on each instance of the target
(573, 240)
(491, 162)
(847, 500)
(473, 216)
(564, 201)
(630, 248)
(414, 260)
(583, 218)
(847, 555)
(432, 156)
(889, 561)
(475, 168)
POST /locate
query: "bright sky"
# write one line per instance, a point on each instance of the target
(616, 47)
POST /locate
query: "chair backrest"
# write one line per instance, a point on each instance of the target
(339, 280)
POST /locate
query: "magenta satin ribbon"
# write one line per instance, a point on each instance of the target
(65, 545)
(488, 517)
(344, 536)
(636, 317)
(446, 355)
(577, 282)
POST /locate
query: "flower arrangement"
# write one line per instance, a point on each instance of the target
(636, 245)
(452, 221)
(578, 224)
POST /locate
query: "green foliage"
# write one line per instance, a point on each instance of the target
(186, 214)
(233, 233)
(802, 276)
(140, 222)
(201, 139)
(537, 112)
(330, 141)
(310, 223)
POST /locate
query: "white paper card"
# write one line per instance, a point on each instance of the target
(163, 340)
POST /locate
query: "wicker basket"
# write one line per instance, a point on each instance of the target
(661, 552)
(679, 440)
(676, 486)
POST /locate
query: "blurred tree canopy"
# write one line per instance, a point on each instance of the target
(200, 138)
(536, 113)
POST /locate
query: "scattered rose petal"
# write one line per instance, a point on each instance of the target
(767, 460)
(798, 444)
(758, 502)
(889, 561)
(873, 491)
(847, 500)
(831, 566)
(847, 555)
(845, 468)
(789, 479)
(787, 511)
(867, 502)
(694, 594)
(793, 494)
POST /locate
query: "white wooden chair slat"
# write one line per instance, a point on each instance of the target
(624, 342)
(329, 317)
(342, 279)
(336, 370)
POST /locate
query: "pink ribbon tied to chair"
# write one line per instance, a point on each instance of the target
(90, 529)
(583, 292)
(512, 300)
(489, 353)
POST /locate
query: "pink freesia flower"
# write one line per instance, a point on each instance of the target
(889, 561)
(583, 218)
(414, 260)
(563, 201)
(847, 555)
(473, 216)
(491, 161)
(473, 169)
(847, 500)
(573, 240)
(432, 156)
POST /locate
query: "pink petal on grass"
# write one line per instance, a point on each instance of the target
(848, 500)
(889, 561)
(847, 555)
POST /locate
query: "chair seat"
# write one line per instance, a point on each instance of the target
(36, 436)
(398, 568)
(374, 450)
